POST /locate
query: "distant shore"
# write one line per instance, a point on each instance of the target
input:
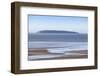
(43, 54)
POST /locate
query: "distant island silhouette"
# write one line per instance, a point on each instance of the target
(57, 31)
(57, 36)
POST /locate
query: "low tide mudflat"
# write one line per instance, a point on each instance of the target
(44, 54)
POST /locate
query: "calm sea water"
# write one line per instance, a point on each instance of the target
(59, 47)
(58, 37)
(58, 43)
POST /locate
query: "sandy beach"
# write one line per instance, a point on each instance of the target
(43, 54)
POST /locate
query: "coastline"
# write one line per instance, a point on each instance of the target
(43, 54)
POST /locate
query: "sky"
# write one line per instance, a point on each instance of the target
(64, 23)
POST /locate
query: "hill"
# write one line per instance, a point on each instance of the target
(57, 31)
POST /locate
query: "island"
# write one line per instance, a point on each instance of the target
(57, 32)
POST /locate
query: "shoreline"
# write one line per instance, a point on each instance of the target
(43, 54)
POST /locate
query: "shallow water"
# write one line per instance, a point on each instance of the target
(59, 47)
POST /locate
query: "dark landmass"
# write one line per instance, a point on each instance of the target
(58, 35)
(57, 31)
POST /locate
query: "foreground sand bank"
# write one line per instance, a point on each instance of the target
(42, 54)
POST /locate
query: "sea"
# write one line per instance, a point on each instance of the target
(58, 43)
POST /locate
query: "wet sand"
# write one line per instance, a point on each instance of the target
(43, 54)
